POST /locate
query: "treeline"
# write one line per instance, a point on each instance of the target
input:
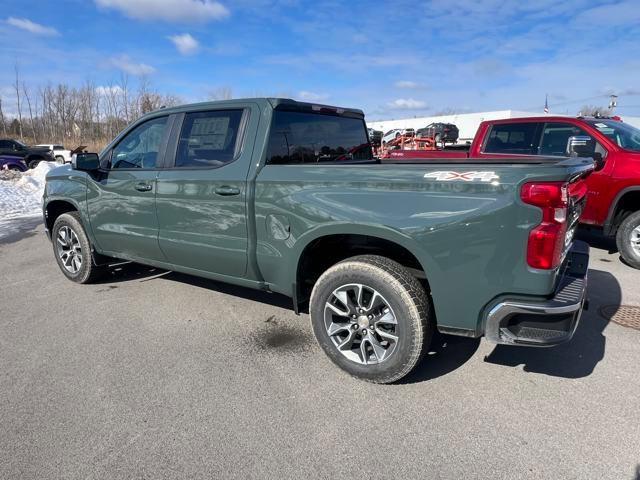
(88, 115)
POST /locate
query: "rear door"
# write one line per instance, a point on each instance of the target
(121, 200)
(202, 195)
(512, 139)
(9, 147)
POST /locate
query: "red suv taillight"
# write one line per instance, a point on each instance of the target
(547, 240)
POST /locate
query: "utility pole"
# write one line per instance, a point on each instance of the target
(613, 102)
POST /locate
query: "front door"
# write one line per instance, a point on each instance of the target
(202, 195)
(121, 201)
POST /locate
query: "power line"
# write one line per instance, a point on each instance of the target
(569, 102)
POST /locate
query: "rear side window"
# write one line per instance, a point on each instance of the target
(555, 137)
(514, 138)
(208, 139)
(58, 147)
(301, 138)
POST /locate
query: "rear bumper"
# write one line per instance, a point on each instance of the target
(546, 322)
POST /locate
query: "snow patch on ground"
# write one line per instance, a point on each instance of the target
(21, 193)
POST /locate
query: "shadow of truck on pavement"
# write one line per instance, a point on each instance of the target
(579, 357)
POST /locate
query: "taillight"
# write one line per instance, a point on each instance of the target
(547, 240)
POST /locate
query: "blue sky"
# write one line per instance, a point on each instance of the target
(393, 59)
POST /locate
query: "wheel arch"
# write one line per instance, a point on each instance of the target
(626, 202)
(54, 208)
(324, 247)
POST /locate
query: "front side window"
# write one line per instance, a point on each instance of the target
(513, 138)
(302, 137)
(139, 148)
(555, 137)
(208, 139)
(5, 144)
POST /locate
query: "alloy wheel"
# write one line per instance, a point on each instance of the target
(69, 249)
(635, 240)
(361, 324)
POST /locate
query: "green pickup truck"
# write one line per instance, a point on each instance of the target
(286, 197)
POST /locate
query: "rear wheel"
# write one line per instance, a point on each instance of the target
(372, 318)
(33, 163)
(60, 159)
(628, 239)
(72, 249)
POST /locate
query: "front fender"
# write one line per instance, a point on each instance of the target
(63, 184)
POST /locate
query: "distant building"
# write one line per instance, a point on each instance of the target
(467, 123)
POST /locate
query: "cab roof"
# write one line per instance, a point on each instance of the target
(276, 103)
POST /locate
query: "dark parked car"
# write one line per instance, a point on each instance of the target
(31, 155)
(375, 137)
(10, 162)
(441, 132)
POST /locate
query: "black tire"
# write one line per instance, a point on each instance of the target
(60, 160)
(87, 271)
(13, 168)
(626, 238)
(33, 163)
(407, 299)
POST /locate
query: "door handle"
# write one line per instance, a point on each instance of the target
(226, 190)
(143, 187)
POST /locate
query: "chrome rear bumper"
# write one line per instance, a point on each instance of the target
(545, 322)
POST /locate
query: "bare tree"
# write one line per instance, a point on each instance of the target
(592, 111)
(17, 87)
(87, 115)
(32, 123)
(4, 125)
(221, 93)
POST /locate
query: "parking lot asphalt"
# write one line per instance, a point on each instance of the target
(154, 374)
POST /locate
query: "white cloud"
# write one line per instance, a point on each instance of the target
(185, 43)
(32, 27)
(407, 104)
(124, 63)
(407, 84)
(312, 96)
(169, 10)
(105, 90)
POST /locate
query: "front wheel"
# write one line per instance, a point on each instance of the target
(628, 240)
(72, 249)
(372, 318)
(33, 163)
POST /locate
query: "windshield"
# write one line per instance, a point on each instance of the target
(623, 134)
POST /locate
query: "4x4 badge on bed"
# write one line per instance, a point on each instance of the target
(465, 176)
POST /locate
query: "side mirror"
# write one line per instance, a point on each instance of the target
(598, 159)
(580, 146)
(87, 162)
